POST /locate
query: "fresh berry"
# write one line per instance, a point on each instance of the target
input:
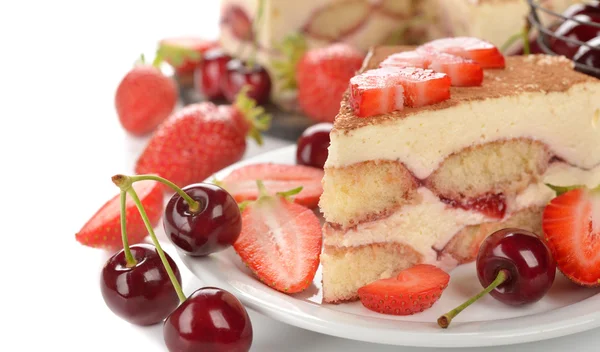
(239, 74)
(377, 92)
(313, 145)
(145, 98)
(185, 53)
(214, 226)
(589, 57)
(280, 241)
(236, 21)
(574, 30)
(462, 72)
(327, 69)
(199, 140)
(211, 73)
(241, 183)
(412, 291)
(515, 267)
(210, 319)
(480, 51)
(325, 24)
(103, 230)
(571, 224)
(141, 293)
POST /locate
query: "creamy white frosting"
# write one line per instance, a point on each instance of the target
(432, 224)
(567, 122)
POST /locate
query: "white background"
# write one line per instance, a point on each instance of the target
(60, 142)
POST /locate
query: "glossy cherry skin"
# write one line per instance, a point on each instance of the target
(589, 8)
(527, 260)
(141, 294)
(210, 319)
(239, 75)
(312, 145)
(215, 227)
(211, 72)
(574, 30)
(589, 57)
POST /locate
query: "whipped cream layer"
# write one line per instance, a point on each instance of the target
(430, 224)
(568, 122)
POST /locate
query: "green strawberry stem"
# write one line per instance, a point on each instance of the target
(262, 190)
(159, 249)
(263, 193)
(193, 205)
(445, 320)
(559, 190)
(129, 259)
(256, 116)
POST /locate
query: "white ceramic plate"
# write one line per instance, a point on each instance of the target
(566, 309)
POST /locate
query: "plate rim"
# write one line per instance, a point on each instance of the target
(445, 338)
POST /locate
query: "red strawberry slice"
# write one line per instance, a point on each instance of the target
(185, 53)
(280, 242)
(103, 230)
(376, 92)
(412, 291)
(571, 225)
(407, 59)
(241, 183)
(485, 54)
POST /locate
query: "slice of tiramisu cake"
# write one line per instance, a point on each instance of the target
(421, 172)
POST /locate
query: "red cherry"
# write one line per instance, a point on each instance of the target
(589, 57)
(313, 145)
(239, 75)
(591, 8)
(574, 30)
(211, 72)
(141, 294)
(515, 266)
(211, 319)
(214, 227)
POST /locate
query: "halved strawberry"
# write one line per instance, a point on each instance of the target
(376, 92)
(485, 54)
(103, 230)
(241, 183)
(571, 225)
(462, 72)
(280, 242)
(412, 291)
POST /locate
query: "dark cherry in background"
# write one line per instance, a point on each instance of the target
(574, 30)
(313, 144)
(239, 74)
(211, 319)
(211, 72)
(142, 294)
(525, 257)
(589, 57)
(215, 227)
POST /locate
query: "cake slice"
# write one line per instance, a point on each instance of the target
(428, 184)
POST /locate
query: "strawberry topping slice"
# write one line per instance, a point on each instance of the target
(241, 183)
(407, 59)
(412, 291)
(571, 225)
(484, 53)
(280, 242)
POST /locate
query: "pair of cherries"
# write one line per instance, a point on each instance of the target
(138, 282)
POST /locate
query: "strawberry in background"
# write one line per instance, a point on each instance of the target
(184, 53)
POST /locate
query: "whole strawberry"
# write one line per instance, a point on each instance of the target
(201, 139)
(144, 98)
(322, 76)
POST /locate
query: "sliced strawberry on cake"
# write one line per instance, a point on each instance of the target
(412, 291)
(571, 224)
(241, 183)
(280, 241)
(485, 54)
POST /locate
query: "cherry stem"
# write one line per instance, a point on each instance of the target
(159, 249)
(445, 320)
(193, 205)
(130, 260)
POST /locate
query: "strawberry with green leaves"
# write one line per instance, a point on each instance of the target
(571, 225)
(280, 240)
(184, 53)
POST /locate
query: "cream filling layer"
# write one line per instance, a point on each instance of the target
(567, 122)
(431, 223)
